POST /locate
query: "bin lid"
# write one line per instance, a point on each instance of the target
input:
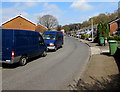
(112, 41)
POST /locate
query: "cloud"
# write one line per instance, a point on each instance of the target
(52, 9)
(16, 9)
(38, 0)
(81, 5)
(58, 0)
(45, 8)
(24, 0)
(30, 4)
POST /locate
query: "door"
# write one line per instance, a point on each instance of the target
(42, 46)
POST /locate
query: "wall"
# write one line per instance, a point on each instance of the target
(40, 28)
(113, 27)
(19, 23)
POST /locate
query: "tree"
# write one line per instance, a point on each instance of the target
(85, 24)
(103, 30)
(66, 28)
(59, 27)
(48, 21)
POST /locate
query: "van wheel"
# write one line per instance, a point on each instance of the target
(23, 61)
(61, 46)
(55, 49)
(44, 54)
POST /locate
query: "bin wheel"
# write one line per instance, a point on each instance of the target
(23, 61)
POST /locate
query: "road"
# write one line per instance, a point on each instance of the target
(54, 72)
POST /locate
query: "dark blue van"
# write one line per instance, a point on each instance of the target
(20, 45)
(53, 39)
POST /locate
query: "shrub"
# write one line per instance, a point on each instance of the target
(117, 38)
(118, 42)
(114, 38)
(96, 39)
(111, 38)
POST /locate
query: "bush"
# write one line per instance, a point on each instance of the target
(117, 38)
(114, 38)
(118, 42)
(96, 39)
(111, 38)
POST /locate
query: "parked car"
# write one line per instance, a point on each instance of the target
(78, 36)
(20, 45)
(53, 39)
(89, 39)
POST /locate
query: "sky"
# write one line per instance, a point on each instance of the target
(66, 12)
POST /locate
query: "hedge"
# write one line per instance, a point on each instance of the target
(114, 38)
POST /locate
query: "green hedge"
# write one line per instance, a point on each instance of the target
(114, 38)
(118, 42)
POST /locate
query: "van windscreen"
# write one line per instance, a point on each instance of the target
(49, 36)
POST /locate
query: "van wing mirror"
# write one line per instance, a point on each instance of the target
(41, 42)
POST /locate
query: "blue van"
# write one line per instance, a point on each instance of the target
(53, 39)
(20, 45)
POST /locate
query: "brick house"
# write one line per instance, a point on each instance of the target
(114, 26)
(40, 28)
(20, 22)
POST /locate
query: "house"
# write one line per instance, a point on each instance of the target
(114, 27)
(40, 28)
(88, 30)
(19, 22)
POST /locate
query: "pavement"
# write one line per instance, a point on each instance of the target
(101, 65)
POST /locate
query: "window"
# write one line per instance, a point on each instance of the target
(49, 36)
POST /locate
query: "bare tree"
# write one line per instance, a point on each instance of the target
(48, 21)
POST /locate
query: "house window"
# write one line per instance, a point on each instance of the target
(118, 25)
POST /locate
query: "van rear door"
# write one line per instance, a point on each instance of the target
(7, 44)
(1, 44)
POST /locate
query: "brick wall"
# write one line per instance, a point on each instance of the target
(40, 28)
(113, 27)
(19, 23)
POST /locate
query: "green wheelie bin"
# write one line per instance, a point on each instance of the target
(102, 41)
(112, 46)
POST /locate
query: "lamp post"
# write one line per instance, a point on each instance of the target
(92, 29)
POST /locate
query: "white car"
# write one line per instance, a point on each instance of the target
(89, 39)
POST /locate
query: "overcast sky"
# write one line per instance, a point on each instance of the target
(66, 12)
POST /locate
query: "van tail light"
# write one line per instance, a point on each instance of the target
(13, 54)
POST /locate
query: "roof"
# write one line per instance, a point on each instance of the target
(42, 25)
(17, 17)
(115, 21)
(25, 19)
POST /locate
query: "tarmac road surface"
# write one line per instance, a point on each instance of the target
(54, 72)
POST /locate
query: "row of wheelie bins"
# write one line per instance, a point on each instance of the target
(112, 45)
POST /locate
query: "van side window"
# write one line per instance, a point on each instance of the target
(57, 37)
(41, 41)
(40, 38)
